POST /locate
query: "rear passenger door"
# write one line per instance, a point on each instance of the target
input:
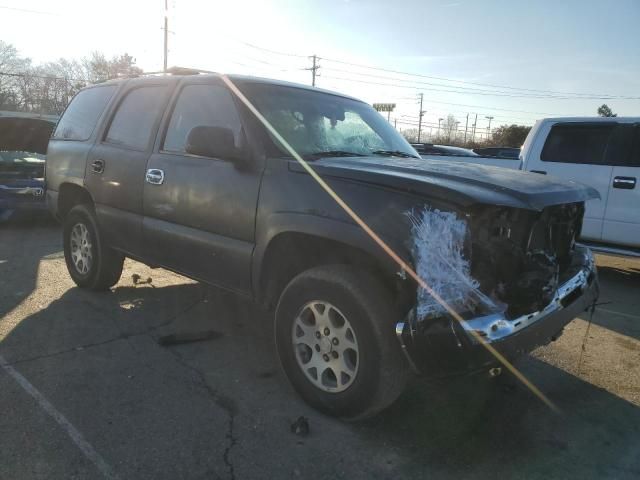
(576, 151)
(622, 216)
(116, 165)
(199, 212)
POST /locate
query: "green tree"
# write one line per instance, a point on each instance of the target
(509, 135)
(605, 111)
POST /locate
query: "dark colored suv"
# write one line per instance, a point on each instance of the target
(175, 171)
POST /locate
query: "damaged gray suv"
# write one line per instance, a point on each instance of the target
(174, 171)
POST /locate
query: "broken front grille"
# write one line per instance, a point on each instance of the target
(518, 256)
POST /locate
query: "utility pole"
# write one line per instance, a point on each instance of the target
(422, 112)
(439, 120)
(473, 135)
(314, 69)
(166, 33)
(489, 126)
(466, 125)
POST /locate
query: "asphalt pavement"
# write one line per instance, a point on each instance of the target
(88, 392)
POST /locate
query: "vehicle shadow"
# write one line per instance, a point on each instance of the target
(465, 427)
(619, 305)
(24, 243)
(491, 429)
(79, 318)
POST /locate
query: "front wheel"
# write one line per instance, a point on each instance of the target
(90, 263)
(336, 341)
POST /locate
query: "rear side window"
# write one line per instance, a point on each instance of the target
(134, 121)
(82, 114)
(576, 143)
(201, 105)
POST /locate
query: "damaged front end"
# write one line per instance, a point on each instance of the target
(515, 277)
(23, 146)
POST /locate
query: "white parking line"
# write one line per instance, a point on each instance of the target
(72, 431)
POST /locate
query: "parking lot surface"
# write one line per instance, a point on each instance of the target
(87, 391)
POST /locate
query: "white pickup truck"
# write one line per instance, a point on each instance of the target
(603, 153)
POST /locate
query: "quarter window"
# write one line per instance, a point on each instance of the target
(82, 114)
(133, 122)
(201, 105)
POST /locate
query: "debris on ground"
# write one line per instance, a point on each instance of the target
(137, 280)
(187, 337)
(300, 426)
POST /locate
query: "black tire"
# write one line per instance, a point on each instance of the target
(106, 264)
(382, 370)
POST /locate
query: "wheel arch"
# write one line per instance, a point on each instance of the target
(293, 247)
(70, 195)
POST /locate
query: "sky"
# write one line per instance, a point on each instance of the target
(514, 60)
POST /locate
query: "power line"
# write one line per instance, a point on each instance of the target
(269, 50)
(26, 10)
(279, 67)
(464, 92)
(478, 91)
(468, 82)
(50, 77)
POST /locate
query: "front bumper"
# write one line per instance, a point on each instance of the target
(21, 197)
(444, 346)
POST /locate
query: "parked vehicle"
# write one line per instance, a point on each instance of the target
(605, 154)
(444, 150)
(500, 152)
(175, 171)
(23, 144)
(480, 156)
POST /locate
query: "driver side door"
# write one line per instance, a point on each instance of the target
(199, 212)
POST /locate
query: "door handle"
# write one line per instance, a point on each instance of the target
(97, 166)
(155, 176)
(626, 183)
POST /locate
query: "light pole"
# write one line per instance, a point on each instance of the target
(489, 126)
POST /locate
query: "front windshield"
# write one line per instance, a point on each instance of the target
(315, 122)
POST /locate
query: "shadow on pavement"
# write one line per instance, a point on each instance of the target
(495, 428)
(81, 318)
(24, 243)
(467, 427)
(619, 294)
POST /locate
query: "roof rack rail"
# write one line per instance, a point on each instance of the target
(175, 70)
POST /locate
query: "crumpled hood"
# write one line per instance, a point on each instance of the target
(457, 182)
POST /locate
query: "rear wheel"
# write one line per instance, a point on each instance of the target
(336, 341)
(90, 263)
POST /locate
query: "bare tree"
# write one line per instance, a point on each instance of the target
(448, 128)
(49, 87)
(99, 69)
(10, 64)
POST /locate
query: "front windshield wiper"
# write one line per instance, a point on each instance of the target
(333, 153)
(393, 153)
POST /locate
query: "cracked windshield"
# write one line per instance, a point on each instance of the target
(344, 239)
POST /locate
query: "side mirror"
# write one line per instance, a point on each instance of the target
(218, 142)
